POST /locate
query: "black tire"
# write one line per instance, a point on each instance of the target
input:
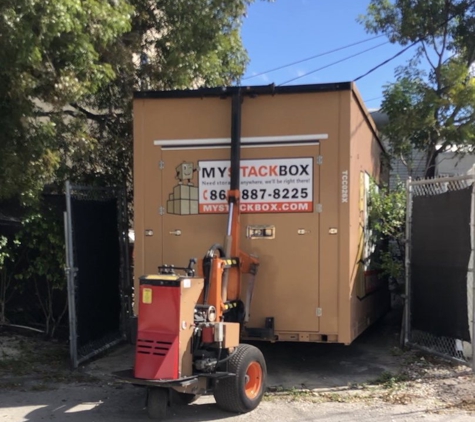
(231, 393)
(157, 402)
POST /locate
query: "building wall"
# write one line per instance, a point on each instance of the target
(447, 163)
(400, 172)
(451, 164)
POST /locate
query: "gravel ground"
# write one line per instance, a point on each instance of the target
(107, 404)
(370, 380)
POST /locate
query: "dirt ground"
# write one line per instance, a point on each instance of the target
(372, 380)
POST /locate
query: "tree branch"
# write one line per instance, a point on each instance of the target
(445, 147)
(440, 54)
(55, 113)
(465, 124)
(427, 57)
(80, 110)
(38, 296)
(463, 121)
(90, 115)
(446, 28)
(451, 119)
(401, 157)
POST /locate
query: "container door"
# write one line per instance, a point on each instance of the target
(279, 222)
(287, 210)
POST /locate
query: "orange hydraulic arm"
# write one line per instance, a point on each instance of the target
(226, 270)
(231, 286)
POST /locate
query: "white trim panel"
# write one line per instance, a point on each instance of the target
(296, 144)
(244, 140)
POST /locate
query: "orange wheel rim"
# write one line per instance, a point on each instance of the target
(253, 380)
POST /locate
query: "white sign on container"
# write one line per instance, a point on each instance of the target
(272, 185)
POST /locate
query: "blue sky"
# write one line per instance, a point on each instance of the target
(285, 31)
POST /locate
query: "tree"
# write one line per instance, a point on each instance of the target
(429, 110)
(68, 70)
(173, 44)
(51, 55)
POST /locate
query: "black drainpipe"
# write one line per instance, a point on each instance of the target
(236, 139)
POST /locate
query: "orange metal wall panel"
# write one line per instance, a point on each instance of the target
(344, 198)
(365, 150)
(288, 286)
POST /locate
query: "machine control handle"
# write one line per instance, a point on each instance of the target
(176, 232)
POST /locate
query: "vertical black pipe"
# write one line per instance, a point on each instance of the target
(236, 139)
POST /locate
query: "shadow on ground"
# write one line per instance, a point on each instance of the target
(316, 365)
(290, 365)
(308, 365)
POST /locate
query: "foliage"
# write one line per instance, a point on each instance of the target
(387, 210)
(51, 55)
(8, 263)
(4, 253)
(189, 43)
(430, 110)
(68, 70)
(31, 271)
(387, 214)
(40, 260)
(4, 282)
(173, 44)
(389, 380)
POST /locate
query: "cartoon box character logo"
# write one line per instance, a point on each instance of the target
(184, 171)
(184, 199)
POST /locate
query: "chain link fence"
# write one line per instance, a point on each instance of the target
(97, 269)
(440, 233)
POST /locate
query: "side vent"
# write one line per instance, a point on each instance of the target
(161, 348)
(151, 347)
(156, 356)
(144, 346)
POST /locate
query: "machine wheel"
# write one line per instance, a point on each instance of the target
(157, 402)
(243, 392)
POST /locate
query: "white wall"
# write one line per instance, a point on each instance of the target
(450, 164)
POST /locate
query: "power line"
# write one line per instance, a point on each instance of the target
(409, 46)
(374, 99)
(386, 61)
(312, 57)
(334, 63)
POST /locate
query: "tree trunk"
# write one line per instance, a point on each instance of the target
(431, 160)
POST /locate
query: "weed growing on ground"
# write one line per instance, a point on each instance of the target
(389, 380)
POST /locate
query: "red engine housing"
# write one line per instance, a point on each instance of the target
(157, 349)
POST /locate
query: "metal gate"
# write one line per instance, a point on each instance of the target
(97, 269)
(440, 289)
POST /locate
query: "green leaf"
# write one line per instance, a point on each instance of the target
(430, 111)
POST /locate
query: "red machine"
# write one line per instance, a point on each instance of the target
(190, 320)
(158, 341)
